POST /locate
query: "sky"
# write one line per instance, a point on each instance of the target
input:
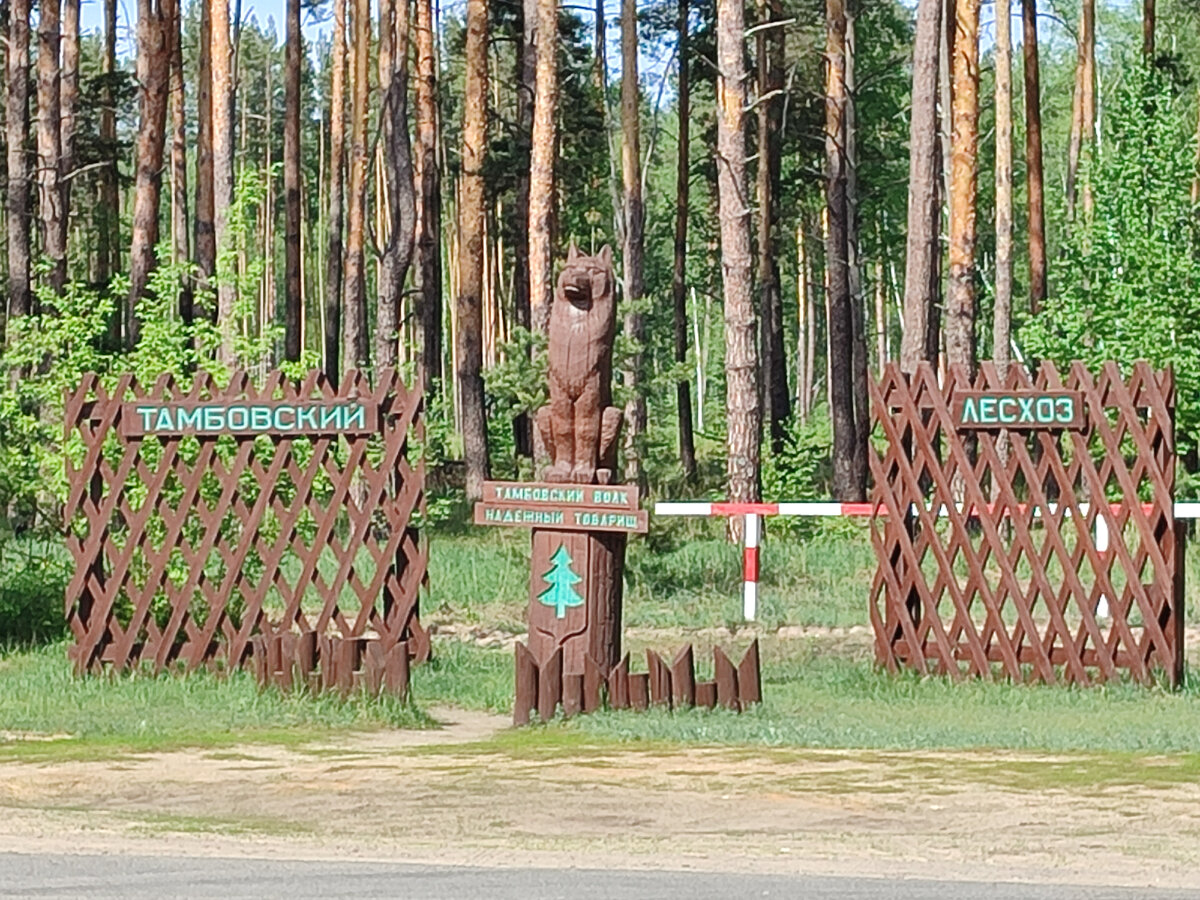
(653, 68)
(92, 19)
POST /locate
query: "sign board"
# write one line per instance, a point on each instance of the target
(562, 518)
(1018, 410)
(598, 496)
(283, 417)
(561, 506)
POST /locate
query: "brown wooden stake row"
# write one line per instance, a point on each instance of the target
(544, 688)
(321, 664)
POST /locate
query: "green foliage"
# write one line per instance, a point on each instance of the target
(253, 347)
(517, 384)
(47, 356)
(1129, 276)
(802, 470)
(33, 579)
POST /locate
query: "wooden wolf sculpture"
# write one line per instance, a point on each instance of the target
(579, 426)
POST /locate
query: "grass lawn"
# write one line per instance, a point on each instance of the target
(687, 576)
(814, 698)
(40, 695)
(819, 691)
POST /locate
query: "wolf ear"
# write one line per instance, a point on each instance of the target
(572, 252)
(606, 255)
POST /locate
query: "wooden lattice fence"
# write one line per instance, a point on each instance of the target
(1000, 550)
(198, 543)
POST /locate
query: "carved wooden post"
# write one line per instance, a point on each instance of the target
(580, 520)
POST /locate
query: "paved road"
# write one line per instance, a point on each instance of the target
(137, 877)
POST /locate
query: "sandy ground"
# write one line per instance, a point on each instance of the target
(452, 796)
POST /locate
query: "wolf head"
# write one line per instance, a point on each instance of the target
(586, 279)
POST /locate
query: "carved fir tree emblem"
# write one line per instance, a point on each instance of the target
(561, 593)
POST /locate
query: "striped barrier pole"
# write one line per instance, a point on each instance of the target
(754, 513)
(750, 567)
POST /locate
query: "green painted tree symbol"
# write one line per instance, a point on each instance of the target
(561, 593)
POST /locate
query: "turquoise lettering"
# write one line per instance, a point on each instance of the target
(145, 412)
(1066, 409)
(1045, 409)
(214, 418)
(356, 417)
(1007, 403)
(331, 417)
(280, 412)
(306, 417)
(185, 419)
(969, 412)
(987, 409)
(260, 418)
(238, 418)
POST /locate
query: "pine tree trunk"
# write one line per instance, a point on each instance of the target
(337, 149)
(354, 310)
(683, 394)
(810, 340)
(107, 221)
(881, 316)
(858, 314)
(1033, 159)
(69, 93)
(743, 413)
(179, 206)
(398, 170)
(203, 234)
(1002, 309)
(1075, 137)
(803, 322)
(222, 149)
(964, 180)
(1149, 23)
(634, 238)
(291, 182)
(769, 53)
(526, 80)
(600, 78)
(49, 141)
(841, 319)
(154, 72)
(541, 168)
(17, 135)
(429, 239)
(922, 250)
(1088, 104)
(471, 237)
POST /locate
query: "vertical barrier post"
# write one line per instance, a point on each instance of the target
(1102, 547)
(750, 568)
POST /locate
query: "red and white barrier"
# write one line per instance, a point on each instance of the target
(753, 514)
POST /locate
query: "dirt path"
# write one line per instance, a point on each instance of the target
(459, 795)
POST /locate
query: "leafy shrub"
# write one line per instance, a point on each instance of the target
(33, 583)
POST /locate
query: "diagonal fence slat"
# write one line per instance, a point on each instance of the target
(201, 550)
(988, 543)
